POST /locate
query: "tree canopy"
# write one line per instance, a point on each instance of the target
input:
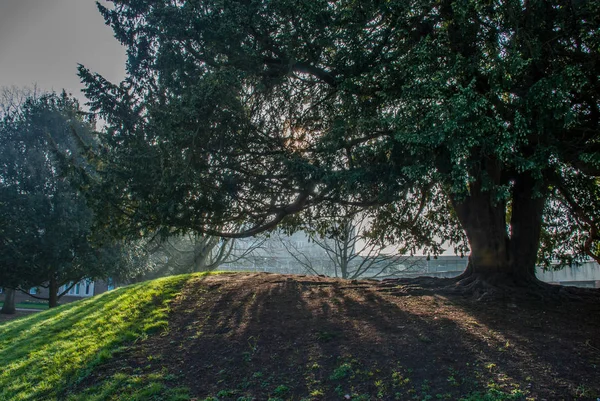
(453, 122)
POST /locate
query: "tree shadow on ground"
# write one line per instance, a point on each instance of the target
(262, 336)
(552, 348)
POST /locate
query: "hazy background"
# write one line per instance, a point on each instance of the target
(41, 42)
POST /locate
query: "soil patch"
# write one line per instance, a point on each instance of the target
(267, 336)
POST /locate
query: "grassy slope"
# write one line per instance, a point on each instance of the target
(44, 356)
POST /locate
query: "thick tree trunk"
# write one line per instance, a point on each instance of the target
(9, 302)
(500, 258)
(526, 226)
(485, 226)
(53, 293)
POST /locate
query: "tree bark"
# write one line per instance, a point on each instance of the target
(500, 257)
(525, 227)
(485, 226)
(52, 293)
(9, 302)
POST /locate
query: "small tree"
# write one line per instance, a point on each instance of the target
(12, 98)
(46, 224)
(349, 252)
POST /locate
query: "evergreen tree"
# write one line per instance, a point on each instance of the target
(46, 225)
(469, 123)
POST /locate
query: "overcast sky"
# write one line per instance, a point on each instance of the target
(41, 42)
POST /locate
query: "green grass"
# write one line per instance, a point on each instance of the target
(45, 355)
(29, 305)
(137, 387)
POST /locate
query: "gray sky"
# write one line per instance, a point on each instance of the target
(41, 42)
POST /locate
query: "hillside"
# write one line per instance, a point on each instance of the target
(263, 336)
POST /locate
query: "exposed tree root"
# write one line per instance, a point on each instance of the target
(491, 288)
(497, 287)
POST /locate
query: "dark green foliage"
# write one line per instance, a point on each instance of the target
(46, 225)
(450, 121)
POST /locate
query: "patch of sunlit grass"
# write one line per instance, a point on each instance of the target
(45, 354)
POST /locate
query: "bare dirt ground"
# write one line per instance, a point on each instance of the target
(266, 336)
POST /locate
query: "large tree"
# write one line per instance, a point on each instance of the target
(45, 223)
(460, 121)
